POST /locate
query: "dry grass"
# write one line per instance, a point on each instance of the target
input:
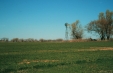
(25, 61)
(91, 49)
(101, 48)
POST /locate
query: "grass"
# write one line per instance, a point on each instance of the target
(56, 57)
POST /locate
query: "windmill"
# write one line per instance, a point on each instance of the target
(67, 30)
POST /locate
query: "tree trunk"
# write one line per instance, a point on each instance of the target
(103, 37)
(108, 37)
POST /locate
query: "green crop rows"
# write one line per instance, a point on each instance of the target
(63, 57)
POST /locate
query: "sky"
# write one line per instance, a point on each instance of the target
(46, 18)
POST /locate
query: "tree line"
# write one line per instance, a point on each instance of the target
(103, 26)
(29, 40)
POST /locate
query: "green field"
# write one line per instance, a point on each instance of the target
(60, 57)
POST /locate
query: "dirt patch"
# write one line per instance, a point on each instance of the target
(95, 49)
(52, 51)
(105, 71)
(101, 48)
(25, 61)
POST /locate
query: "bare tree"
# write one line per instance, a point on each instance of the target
(41, 40)
(15, 40)
(76, 30)
(21, 40)
(59, 39)
(5, 39)
(109, 24)
(30, 40)
(103, 26)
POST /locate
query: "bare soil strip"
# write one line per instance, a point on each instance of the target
(90, 49)
(101, 48)
(25, 61)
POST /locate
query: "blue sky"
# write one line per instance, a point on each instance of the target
(46, 18)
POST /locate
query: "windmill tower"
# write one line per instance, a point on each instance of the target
(67, 29)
